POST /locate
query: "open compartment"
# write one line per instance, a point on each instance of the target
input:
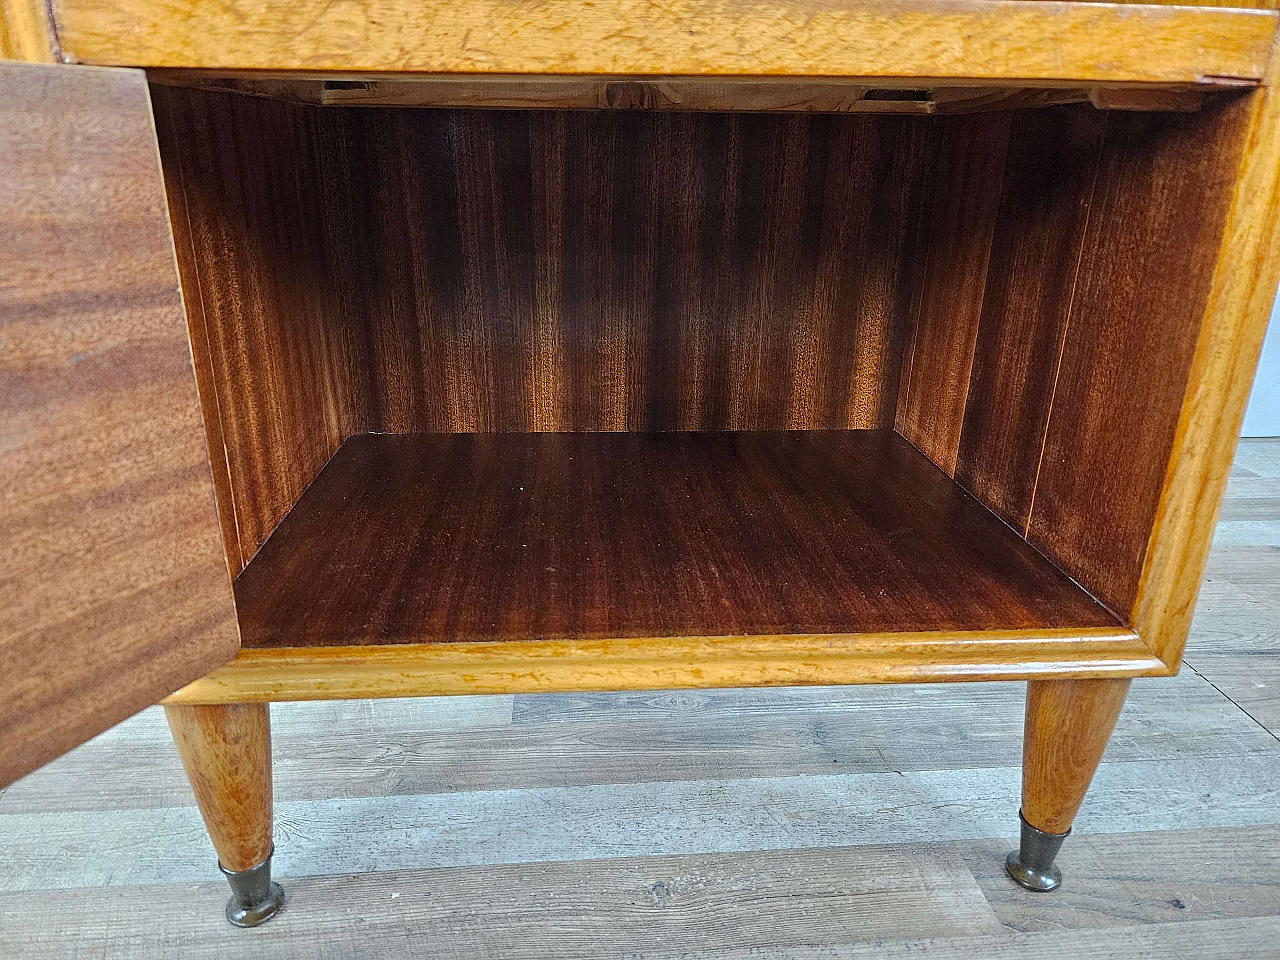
(505, 375)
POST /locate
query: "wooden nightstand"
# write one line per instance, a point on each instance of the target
(601, 346)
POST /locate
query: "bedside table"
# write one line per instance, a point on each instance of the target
(389, 348)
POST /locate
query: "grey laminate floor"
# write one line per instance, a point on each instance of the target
(802, 823)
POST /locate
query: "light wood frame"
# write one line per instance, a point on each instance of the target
(970, 39)
(1232, 330)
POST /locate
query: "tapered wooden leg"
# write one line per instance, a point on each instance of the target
(1067, 727)
(226, 751)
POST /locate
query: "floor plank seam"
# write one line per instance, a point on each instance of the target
(1270, 732)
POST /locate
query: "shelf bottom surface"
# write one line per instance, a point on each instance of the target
(438, 539)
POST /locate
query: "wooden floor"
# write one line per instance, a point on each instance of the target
(795, 823)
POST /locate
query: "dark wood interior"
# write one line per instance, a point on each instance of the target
(528, 536)
(473, 271)
(1017, 293)
(1058, 313)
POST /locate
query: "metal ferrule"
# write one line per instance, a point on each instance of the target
(1031, 865)
(254, 898)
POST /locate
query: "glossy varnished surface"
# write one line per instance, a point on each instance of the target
(1049, 374)
(1068, 724)
(277, 369)
(113, 588)
(986, 39)
(966, 174)
(524, 270)
(1222, 371)
(1031, 272)
(512, 537)
(352, 270)
(1163, 191)
(432, 669)
(226, 752)
(1019, 291)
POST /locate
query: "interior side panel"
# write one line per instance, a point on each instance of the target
(1035, 257)
(281, 352)
(958, 220)
(1163, 190)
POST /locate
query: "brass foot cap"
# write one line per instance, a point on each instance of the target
(1031, 866)
(1029, 878)
(254, 898)
(250, 915)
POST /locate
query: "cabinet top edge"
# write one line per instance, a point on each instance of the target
(1042, 42)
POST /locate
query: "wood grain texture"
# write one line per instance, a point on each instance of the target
(26, 32)
(861, 903)
(1067, 728)
(115, 590)
(1150, 784)
(226, 752)
(593, 271)
(958, 221)
(1119, 881)
(759, 901)
(390, 927)
(198, 333)
(1230, 338)
(743, 94)
(598, 536)
(275, 356)
(516, 91)
(390, 270)
(444, 745)
(912, 38)
(667, 663)
(515, 271)
(1034, 318)
(592, 823)
(746, 94)
(1250, 4)
(1160, 206)
(1030, 281)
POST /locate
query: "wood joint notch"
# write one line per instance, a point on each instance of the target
(691, 93)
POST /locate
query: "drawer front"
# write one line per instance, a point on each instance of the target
(114, 589)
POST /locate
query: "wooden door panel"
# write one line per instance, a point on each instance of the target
(114, 589)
